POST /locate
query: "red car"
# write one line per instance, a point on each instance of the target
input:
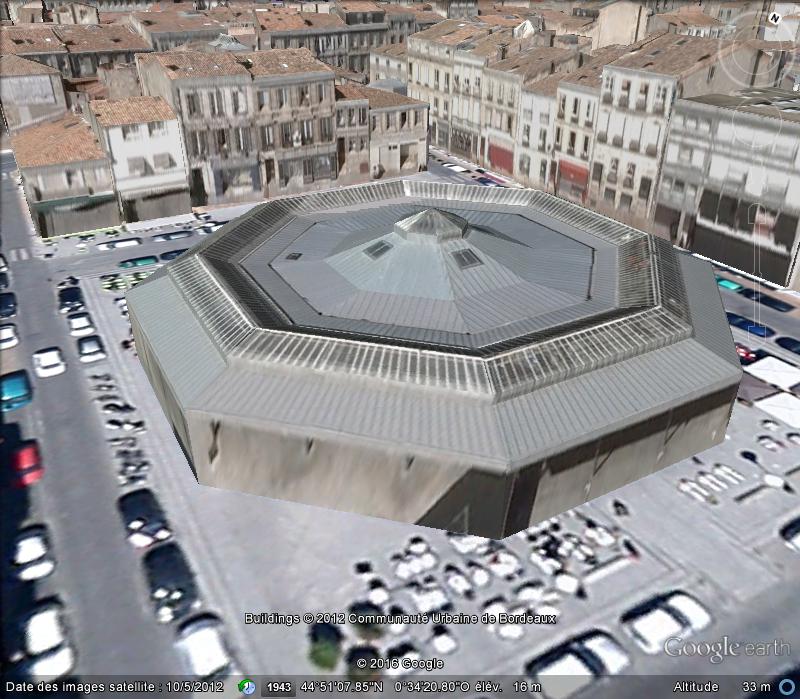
(26, 465)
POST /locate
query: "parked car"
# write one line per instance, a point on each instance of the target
(80, 324)
(15, 390)
(747, 355)
(3, 280)
(767, 300)
(675, 614)
(202, 645)
(8, 304)
(144, 520)
(48, 650)
(26, 465)
(90, 349)
(8, 336)
(33, 559)
(455, 168)
(3, 263)
(48, 362)
(175, 235)
(122, 243)
(749, 326)
(577, 663)
(486, 182)
(70, 299)
(788, 343)
(209, 229)
(171, 255)
(139, 262)
(723, 283)
(790, 533)
(173, 589)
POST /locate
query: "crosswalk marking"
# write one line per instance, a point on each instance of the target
(18, 255)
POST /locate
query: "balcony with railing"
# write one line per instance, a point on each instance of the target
(651, 150)
(627, 182)
(641, 103)
(544, 118)
(634, 146)
(616, 141)
(602, 137)
(611, 178)
(607, 98)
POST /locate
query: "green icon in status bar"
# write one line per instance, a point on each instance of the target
(247, 686)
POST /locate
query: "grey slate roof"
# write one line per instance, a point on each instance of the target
(664, 341)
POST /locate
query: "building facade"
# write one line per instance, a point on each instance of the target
(389, 62)
(66, 177)
(730, 184)
(143, 141)
(30, 92)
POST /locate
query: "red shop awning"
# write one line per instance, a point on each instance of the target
(574, 174)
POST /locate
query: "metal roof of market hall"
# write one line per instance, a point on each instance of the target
(490, 325)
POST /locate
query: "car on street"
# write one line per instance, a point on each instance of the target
(8, 336)
(139, 262)
(26, 465)
(172, 585)
(174, 235)
(4, 281)
(171, 255)
(70, 299)
(767, 300)
(209, 229)
(675, 614)
(790, 344)
(8, 304)
(48, 362)
(33, 559)
(80, 324)
(749, 326)
(122, 243)
(15, 390)
(723, 283)
(486, 182)
(90, 349)
(144, 521)
(202, 645)
(572, 666)
(3, 263)
(790, 533)
(48, 651)
(455, 168)
(748, 355)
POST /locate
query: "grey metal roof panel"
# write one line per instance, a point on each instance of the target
(491, 435)
(186, 355)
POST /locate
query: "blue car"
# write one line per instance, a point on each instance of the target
(15, 391)
(486, 182)
(749, 326)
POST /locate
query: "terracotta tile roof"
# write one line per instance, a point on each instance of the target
(454, 32)
(378, 99)
(68, 140)
(82, 38)
(278, 19)
(176, 21)
(133, 110)
(506, 20)
(547, 87)
(282, 61)
(677, 55)
(690, 17)
(28, 39)
(358, 6)
(396, 50)
(196, 64)
(591, 75)
(530, 63)
(16, 65)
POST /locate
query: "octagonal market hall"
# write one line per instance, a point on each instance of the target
(470, 358)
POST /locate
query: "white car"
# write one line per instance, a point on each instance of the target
(402, 652)
(429, 599)
(32, 558)
(455, 168)
(90, 349)
(209, 229)
(80, 324)
(124, 243)
(44, 628)
(443, 641)
(574, 665)
(48, 362)
(50, 666)
(8, 336)
(3, 263)
(790, 533)
(653, 623)
(203, 648)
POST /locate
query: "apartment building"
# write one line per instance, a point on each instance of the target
(167, 29)
(730, 183)
(76, 13)
(66, 177)
(352, 134)
(255, 125)
(398, 134)
(689, 21)
(636, 99)
(788, 29)
(502, 87)
(445, 69)
(389, 62)
(75, 50)
(455, 9)
(616, 23)
(143, 141)
(30, 92)
(404, 20)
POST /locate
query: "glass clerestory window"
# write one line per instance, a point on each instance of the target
(466, 259)
(378, 249)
